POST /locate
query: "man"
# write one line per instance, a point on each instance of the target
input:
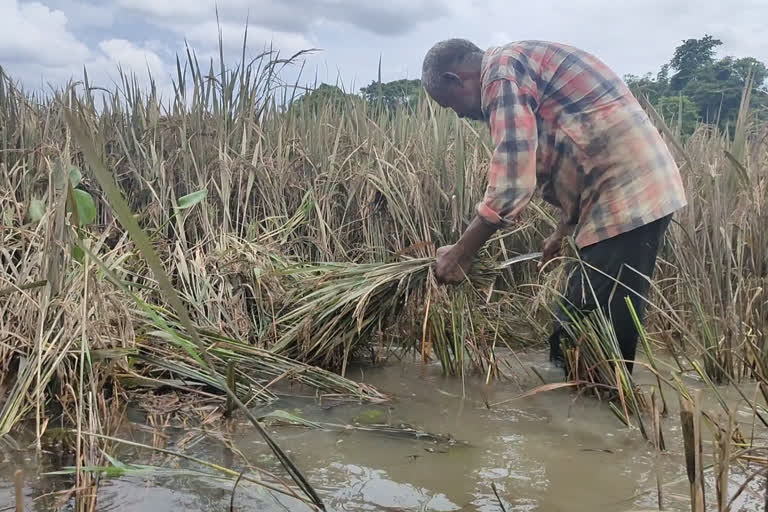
(563, 123)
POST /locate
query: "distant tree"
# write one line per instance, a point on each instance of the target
(398, 93)
(324, 97)
(718, 88)
(671, 107)
(652, 88)
(663, 74)
(714, 87)
(742, 67)
(690, 58)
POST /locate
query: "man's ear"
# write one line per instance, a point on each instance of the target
(452, 79)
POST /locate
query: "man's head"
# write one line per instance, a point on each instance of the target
(451, 76)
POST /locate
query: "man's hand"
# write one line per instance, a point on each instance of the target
(454, 261)
(452, 265)
(551, 248)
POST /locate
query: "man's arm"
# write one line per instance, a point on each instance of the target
(565, 227)
(454, 261)
(511, 177)
(475, 236)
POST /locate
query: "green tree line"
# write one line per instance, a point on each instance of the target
(401, 93)
(701, 87)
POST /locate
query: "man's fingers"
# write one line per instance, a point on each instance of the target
(446, 279)
(548, 254)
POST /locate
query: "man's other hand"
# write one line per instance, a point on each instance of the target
(452, 265)
(551, 248)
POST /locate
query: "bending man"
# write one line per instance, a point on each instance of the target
(564, 124)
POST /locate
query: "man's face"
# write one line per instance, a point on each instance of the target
(463, 97)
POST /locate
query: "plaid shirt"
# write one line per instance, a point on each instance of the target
(565, 124)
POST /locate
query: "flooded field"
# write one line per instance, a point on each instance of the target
(546, 453)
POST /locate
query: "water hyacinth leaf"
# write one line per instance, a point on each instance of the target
(78, 254)
(86, 207)
(36, 210)
(75, 176)
(190, 200)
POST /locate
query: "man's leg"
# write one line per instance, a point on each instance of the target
(639, 253)
(637, 249)
(571, 303)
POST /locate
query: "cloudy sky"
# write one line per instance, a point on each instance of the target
(50, 41)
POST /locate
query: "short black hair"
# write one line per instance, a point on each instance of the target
(443, 57)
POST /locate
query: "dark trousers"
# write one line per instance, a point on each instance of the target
(637, 249)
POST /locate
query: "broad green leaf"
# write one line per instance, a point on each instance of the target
(75, 176)
(86, 207)
(36, 210)
(190, 200)
(78, 254)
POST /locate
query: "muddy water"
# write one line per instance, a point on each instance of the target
(545, 453)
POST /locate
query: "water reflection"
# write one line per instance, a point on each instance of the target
(373, 489)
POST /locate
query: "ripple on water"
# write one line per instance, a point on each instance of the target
(373, 489)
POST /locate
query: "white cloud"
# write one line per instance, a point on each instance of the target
(207, 35)
(173, 9)
(103, 65)
(84, 14)
(391, 17)
(138, 61)
(123, 53)
(31, 33)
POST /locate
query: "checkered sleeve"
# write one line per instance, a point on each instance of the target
(512, 174)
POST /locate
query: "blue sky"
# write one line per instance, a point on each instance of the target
(50, 41)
